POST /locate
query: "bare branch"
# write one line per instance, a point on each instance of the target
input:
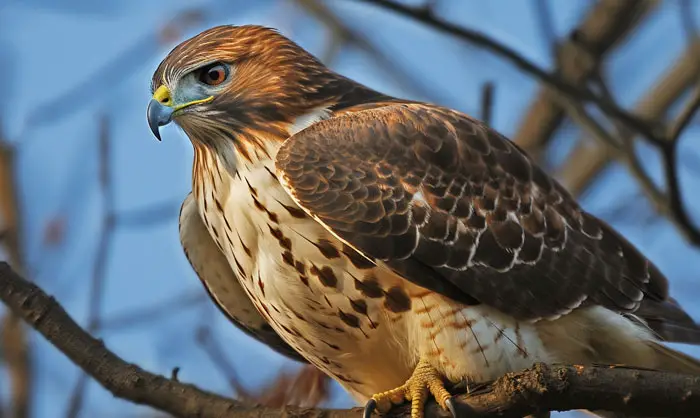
(218, 358)
(15, 349)
(588, 159)
(114, 71)
(307, 387)
(148, 216)
(685, 117)
(546, 21)
(14, 341)
(604, 27)
(124, 380)
(669, 152)
(99, 269)
(360, 40)
(632, 391)
(153, 312)
(690, 27)
(563, 88)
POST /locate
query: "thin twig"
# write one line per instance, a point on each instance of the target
(546, 21)
(148, 216)
(554, 80)
(14, 343)
(99, 270)
(587, 160)
(670, 163)
(358, 39)
(690, 27)
(152, 313)
(221, 362)
(685, 117)
(487, 91)
(113, 71)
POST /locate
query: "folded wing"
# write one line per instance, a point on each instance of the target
(453, 206)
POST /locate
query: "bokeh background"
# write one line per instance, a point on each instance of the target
(90, 200)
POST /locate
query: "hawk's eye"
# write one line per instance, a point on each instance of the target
(214, 74)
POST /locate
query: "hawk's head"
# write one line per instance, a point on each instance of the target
(231, 83)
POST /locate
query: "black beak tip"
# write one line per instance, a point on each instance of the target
(158, 115)
(156, 132)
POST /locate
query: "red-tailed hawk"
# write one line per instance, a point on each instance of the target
(394, 244)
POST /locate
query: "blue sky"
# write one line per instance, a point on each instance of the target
(65, 63)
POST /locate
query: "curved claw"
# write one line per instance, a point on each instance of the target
(451, 406)
(370, 406)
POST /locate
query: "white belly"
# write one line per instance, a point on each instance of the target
(300, 280)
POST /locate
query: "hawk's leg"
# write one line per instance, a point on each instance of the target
(425, 380)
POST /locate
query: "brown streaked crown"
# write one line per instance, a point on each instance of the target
(274, 80)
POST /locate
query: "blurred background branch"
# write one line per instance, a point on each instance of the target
(14, 341)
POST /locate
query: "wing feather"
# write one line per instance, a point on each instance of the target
(455, 207)
(221, 283)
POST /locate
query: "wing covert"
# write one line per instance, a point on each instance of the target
(454, 206)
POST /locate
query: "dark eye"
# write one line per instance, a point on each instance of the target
(213, 75)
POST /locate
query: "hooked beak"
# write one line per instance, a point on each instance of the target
(161, 109)
(158, 115)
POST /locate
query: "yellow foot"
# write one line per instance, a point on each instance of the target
(424, 381)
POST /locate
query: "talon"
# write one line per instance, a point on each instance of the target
(424, 381)
(451, 406)
(369, 408)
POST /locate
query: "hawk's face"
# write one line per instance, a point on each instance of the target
(233, 80)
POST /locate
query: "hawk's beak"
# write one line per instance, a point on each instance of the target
(160, 110)
(162, 107)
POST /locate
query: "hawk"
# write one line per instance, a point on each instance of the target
(395, 245)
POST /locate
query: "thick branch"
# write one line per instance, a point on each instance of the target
(631, 391)
(605, 26)
(587, 160)
(635, 392)
(124, 380)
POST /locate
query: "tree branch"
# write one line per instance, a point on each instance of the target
(588, 159)
(14, 343)
(568, 91)
(579, 57)
(99, 273)
(124, 380)
(541, 388)
(487, 102)
(358, 39)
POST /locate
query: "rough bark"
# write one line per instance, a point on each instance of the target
(541, 388)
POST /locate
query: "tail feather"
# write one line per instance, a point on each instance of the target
(669, 321)
(670, 360)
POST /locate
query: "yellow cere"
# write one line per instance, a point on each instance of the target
(162, 95)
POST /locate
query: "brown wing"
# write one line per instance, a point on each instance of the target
(454, 206)
(221, 283)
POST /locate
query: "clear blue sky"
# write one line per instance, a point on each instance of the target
(64, 63)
